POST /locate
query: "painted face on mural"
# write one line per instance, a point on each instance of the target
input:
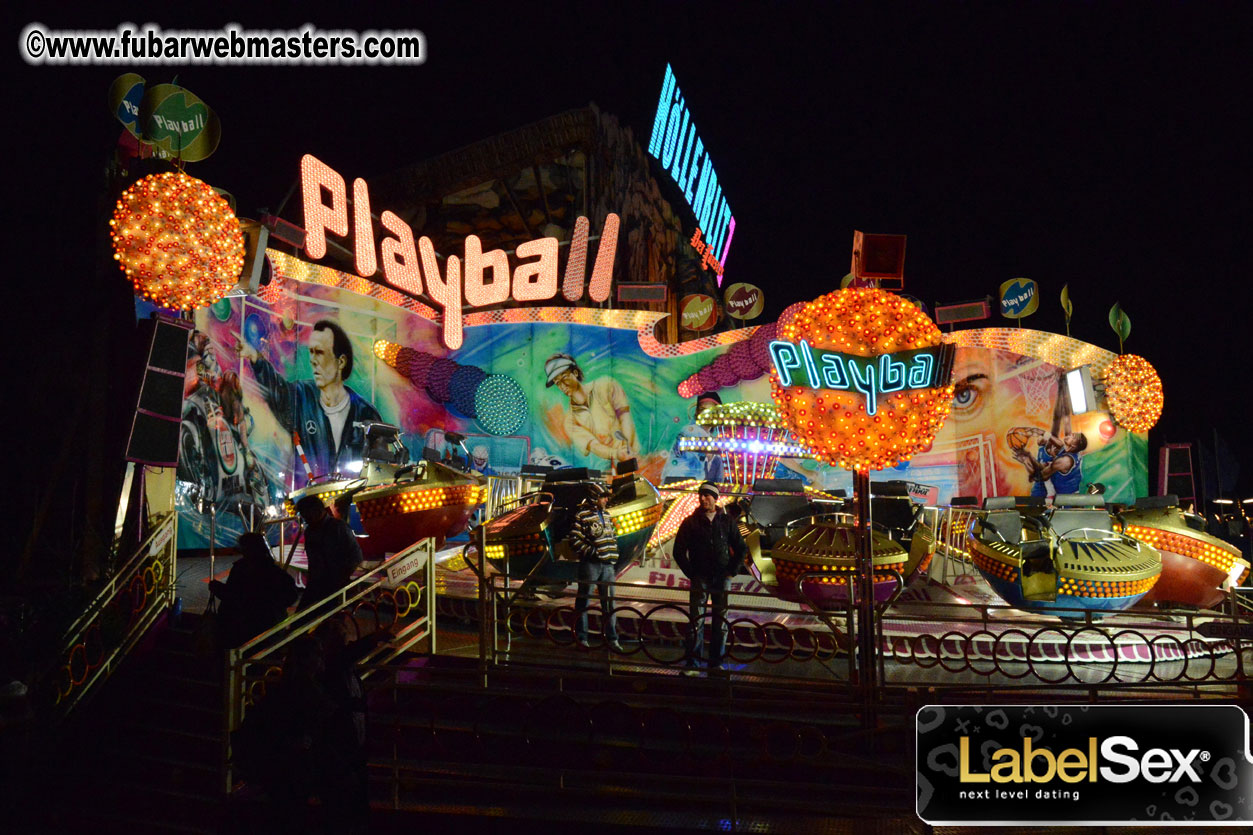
(568, 382)
(328, 369)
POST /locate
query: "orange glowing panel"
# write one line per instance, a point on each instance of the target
(445, 290)
(363, 231)
(536, 281)
(837, 425)
(479, 291)
(602, 273)
(316, 176)
(576, 264)
(400, 259)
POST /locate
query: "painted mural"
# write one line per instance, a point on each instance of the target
(276, 391)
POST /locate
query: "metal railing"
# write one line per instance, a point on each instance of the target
(384, 597)
(128, 604)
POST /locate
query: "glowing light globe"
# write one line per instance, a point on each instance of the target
(750, 437)
(1134, 392)
(835, 424)
(177, 241)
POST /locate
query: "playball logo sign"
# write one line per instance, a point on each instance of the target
(1095, 764)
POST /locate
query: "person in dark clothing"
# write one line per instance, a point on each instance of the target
(595, 541)
(324, 410)
(344, 780)
(256, 593)
(332, 550)
(710, 551)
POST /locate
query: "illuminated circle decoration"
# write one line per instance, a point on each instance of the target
(177, 241)
(501, 405)
(1134, 392)
(835, 424)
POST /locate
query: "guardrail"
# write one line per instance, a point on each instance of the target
(128, 604)
(384, 598)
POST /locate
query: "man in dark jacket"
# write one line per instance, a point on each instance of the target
(255, 595)
(331, 548)
(710, 550)
(595, 541)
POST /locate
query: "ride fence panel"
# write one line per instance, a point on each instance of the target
(395, 601)
(128, 604)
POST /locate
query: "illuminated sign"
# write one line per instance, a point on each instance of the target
(706, 253)
(872, 376)
(412, 267)
(676, 146)
(1019, 298)
(698, 312)
(744, 301)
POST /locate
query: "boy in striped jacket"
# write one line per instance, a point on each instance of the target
(594, 540)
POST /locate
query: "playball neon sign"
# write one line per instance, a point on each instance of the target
(412, 268)
(872, 376)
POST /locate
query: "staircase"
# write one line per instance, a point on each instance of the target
(145, 754)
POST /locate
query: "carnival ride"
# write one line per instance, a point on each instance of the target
(527, 539)
(397, 502)
(1197, 568)
(801, 541)
(1070, 561)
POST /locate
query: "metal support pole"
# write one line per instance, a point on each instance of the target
(867, 632)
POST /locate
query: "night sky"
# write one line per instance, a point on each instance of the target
(1100, 145)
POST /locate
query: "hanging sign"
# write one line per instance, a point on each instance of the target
(744, 301)
(169, 121)
(698, 312)
(1019, 298)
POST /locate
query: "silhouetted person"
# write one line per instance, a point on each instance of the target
(256, 593)
(331, 548)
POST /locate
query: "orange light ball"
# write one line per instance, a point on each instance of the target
(865, 323)
(177, 240)
(1134, 392)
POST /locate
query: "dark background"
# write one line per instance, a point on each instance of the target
(1101, 145)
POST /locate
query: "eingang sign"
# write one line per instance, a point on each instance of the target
(413, 268)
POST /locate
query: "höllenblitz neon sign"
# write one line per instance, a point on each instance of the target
(676, 146)
(412, 268)
(872, 376)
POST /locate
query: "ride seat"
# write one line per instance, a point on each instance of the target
(1072, 511)
(1003, 518)
(893, 512)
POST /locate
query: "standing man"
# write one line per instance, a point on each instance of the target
(593, 538)
(710, 550)
(599, 421)
(323, 410)
(331, 548)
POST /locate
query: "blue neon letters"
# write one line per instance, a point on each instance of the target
(871, 376)
(676, 146)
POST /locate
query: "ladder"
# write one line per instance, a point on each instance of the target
(1175, 473)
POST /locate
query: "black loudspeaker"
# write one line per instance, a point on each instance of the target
(154, 431)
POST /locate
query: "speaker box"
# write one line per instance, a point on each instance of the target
(158, 414)
(881, 258)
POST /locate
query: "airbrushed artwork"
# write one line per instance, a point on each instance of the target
(277, 392)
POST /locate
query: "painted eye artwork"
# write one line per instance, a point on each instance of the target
(970, 396)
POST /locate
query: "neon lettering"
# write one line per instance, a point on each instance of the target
(864, 382)
(676, 144)
(536, 280)
(363, 231)
(786, 358)
(400, 259)
(479, 291)
(404, 263)
(921, 370)
(872, 376)
(891, 374)
(320, 218)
